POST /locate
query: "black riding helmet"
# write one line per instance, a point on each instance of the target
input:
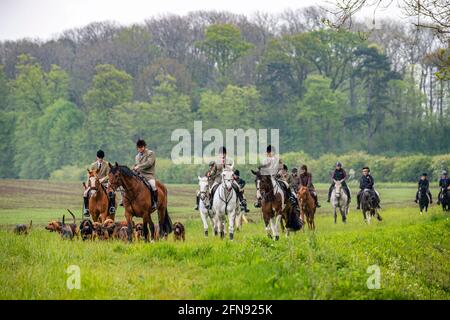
(100, 154)
(236, 173)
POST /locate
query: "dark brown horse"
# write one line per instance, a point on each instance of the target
(98, 199)
(272, 206)
(307, 206)
(137, 201)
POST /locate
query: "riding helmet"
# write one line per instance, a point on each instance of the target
(236, 172)
(100, 154)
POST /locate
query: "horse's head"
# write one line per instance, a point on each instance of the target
(227, 179)
(93, 179)
(302, 193)
(337, 189)
(115, 176)
(203, 187)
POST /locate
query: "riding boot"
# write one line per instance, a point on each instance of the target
(358, 201)
(197, 202)
(329, 193)
(439, 198)
(154, 198)
(244, 205)
(112, 203)
(429, 194)
(257, 203)
(86, 206)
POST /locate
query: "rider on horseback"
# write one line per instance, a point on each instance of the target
(444, 183)
(339, 174)
(102, 167)
(241, 183)
(306, 180)
(214, 174)
(272, 167)
(424, 185)
(366, 182)
(145, 163)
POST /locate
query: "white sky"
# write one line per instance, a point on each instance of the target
(46, 18)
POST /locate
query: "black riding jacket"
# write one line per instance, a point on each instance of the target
(366, 182)
(424, 184)
(444, 183)
(339, 174)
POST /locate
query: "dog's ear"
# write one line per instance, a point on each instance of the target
(253, 172)
(109, 164)
(117, 165)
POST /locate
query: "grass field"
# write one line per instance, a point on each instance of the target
(412, 252)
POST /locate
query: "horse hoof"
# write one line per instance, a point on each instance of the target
(231, 236)
(269, 235)
(222, 235)
(206, 233)
(277, 238)
(216, 233)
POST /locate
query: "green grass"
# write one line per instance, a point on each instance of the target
(412, 252)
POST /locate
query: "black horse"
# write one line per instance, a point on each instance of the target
(424, 200)
(369, 205)
(445, 199)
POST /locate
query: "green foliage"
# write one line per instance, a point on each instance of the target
(110, 87)
(223, 45)
(69, 173)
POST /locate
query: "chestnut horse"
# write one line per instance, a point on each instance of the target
(272, 207)
(307, 206)
(137, 201)
(98, 198)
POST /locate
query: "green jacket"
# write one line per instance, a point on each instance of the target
(145, 164)
(103, 172)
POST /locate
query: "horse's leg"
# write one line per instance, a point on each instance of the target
(129, 218)
(222, 225)
(203, 216)
(266, 219)
(145, 221)
(335, 214)
(152, 229)
(231, 224)
(277, 224)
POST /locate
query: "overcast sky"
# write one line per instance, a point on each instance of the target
(46, 18)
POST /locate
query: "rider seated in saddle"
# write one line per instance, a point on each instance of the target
(444, 183)
(306, 181)
(214, 175)
(366, 182)
(102, 167)
(241, 183)
(273, 166)
(423, 185)
(145, 163)
(339, 174)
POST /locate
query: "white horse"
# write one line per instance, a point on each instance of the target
(203, 198)
(339, 199)
(225, 203)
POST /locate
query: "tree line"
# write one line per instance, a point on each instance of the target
(327, 90)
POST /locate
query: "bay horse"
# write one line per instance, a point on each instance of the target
(369, 205)
(275, 208)
(137, 201)
(307, 206)
(225, 202)
(339, 200)
(424, 200)
(98, 198)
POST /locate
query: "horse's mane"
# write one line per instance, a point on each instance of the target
(126, 172)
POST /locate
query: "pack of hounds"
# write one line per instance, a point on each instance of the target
(106, 230)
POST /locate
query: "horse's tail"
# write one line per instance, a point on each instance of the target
(293, 220)
(167, 223)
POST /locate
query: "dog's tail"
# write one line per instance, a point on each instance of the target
(73, 216)
(167, 223)
(64, 219)
(31, 223)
